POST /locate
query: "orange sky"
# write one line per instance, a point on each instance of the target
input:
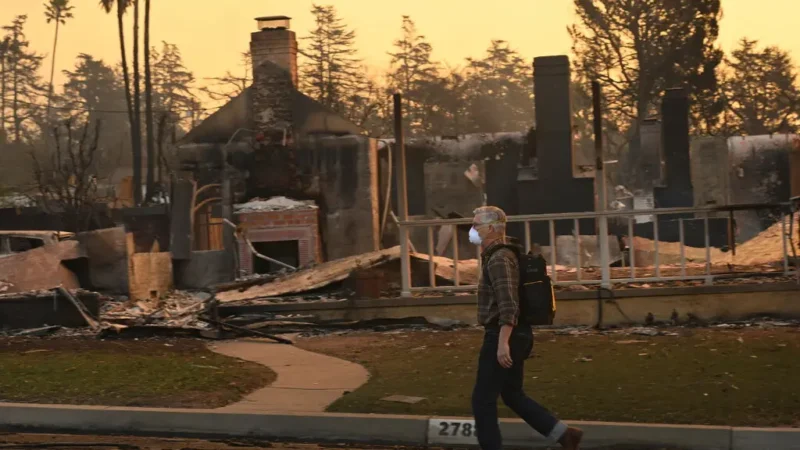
(212, 33)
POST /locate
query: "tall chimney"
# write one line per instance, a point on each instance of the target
(274, 52)
(275, 42)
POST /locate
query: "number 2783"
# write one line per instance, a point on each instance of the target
(457, 429)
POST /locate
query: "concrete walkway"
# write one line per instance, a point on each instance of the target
(306, 382)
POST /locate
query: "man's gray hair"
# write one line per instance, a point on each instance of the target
(491, 215)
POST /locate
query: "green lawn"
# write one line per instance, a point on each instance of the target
(158, 373)
(743, 377)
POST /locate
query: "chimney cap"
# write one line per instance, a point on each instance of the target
(273, 18)
(273, 22)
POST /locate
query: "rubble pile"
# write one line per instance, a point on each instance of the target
(670, 252)
(178, 310)
(767, 246)
(764, 248)
(273, 204)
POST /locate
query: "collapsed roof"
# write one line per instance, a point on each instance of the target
(309, 117)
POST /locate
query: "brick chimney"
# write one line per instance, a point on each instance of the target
(275, 42)
(274, 51)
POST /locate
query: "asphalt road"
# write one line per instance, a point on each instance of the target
(75, 442)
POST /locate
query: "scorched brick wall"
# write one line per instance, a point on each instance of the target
(289, 225)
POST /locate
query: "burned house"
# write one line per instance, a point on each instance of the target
(524, 172)
(276, 141)
(678, 171)
(282, 143)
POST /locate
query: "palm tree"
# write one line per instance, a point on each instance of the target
(122, 6)
(57, 11)
(148, 105)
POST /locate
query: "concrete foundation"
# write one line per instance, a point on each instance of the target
(575, 308)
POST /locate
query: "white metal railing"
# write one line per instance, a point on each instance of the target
(606, 278)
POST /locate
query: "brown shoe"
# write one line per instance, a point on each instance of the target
(571, 439)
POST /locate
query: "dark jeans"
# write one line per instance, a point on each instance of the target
(493, 380)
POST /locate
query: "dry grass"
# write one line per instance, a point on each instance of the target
(746, 377)
(157, 373)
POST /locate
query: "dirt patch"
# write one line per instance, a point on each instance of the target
(155, 373)
(741, 377)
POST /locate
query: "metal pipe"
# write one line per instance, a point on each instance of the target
(253, 249)
(387, 200)
(431, 265)
(402, 197)
(265, 257)
(732, 234)
(205, 202)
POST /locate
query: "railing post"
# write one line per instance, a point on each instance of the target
(681, 238)
(402, 197)
(656, 254)
(431, 263)
(405, 266)
(605, 257)
(456, 273)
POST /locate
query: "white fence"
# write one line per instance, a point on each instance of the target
(606, 278)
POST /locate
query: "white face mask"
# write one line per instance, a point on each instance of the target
(474, 237)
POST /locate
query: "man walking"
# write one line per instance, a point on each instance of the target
(507, 341)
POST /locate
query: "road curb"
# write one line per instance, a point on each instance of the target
(367, 428)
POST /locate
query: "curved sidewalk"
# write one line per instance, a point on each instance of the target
(306, 382)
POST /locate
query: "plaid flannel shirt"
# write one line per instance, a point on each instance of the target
(498, 294)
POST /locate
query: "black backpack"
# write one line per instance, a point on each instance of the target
(537, 300)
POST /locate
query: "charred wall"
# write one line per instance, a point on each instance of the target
(341, 175)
